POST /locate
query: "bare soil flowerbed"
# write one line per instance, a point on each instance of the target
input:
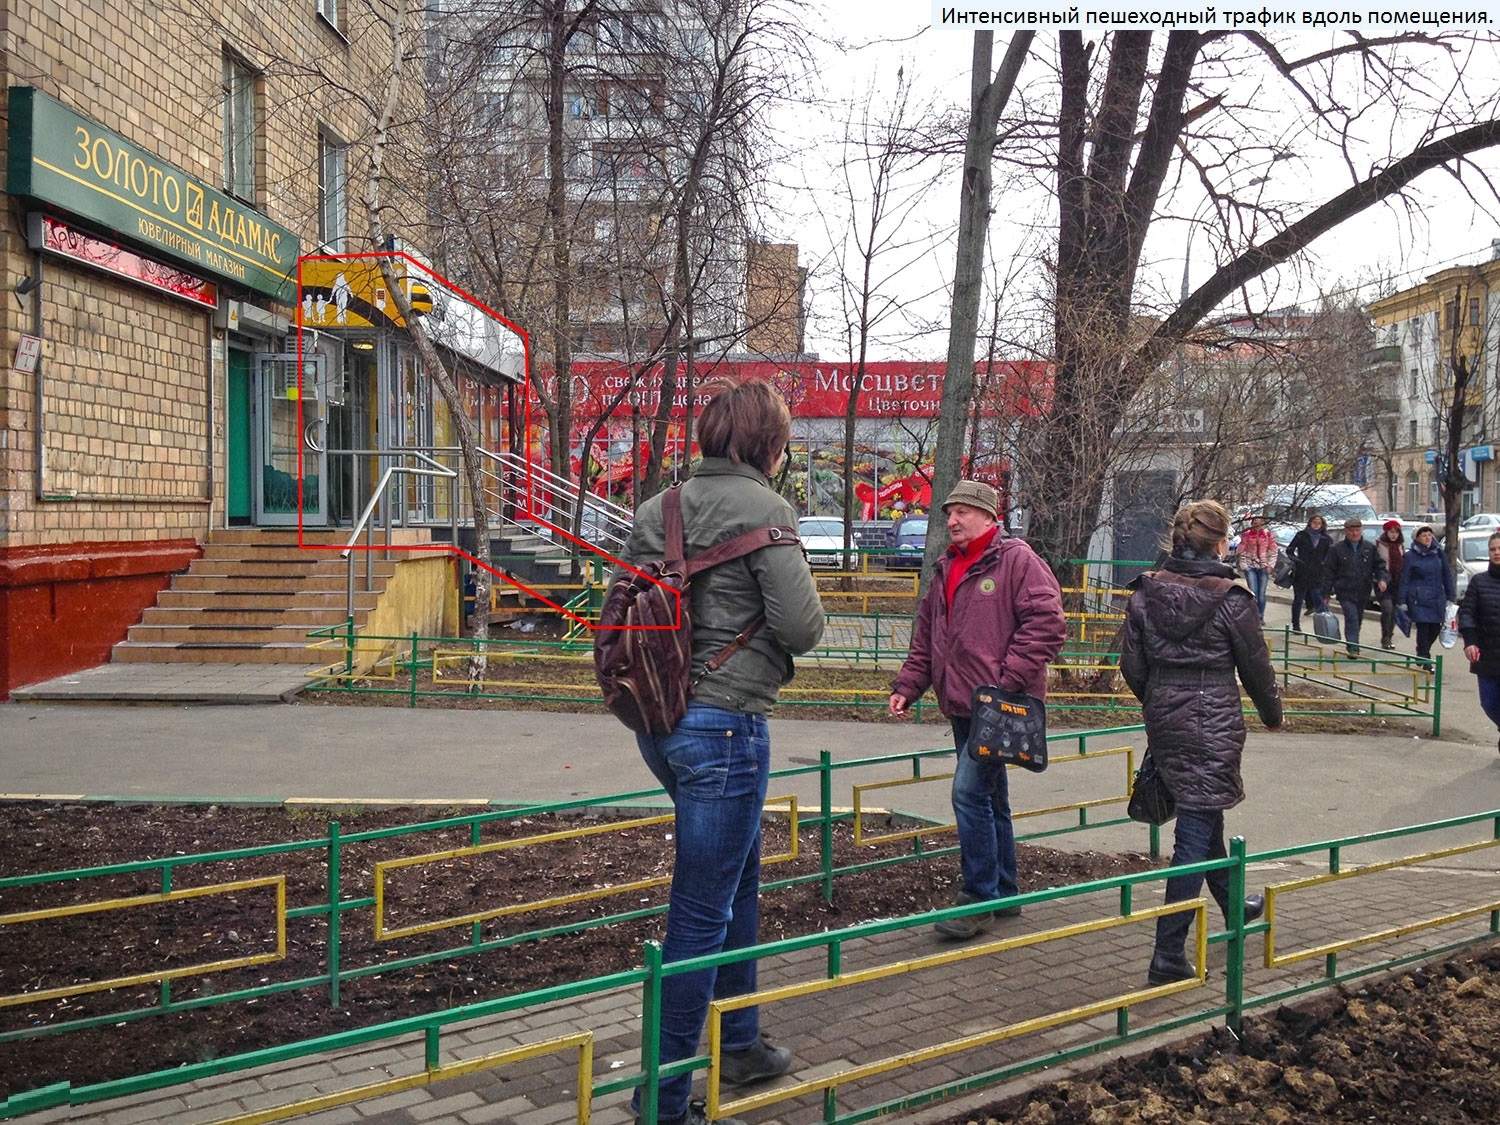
(78, 948)
(1420, 1047)
(573, 681)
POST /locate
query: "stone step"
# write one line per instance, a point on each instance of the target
(253, 536)
(292, 569)
(194, 617)
(257, 634)
(221, 599)
(282, 584)
(131, 652)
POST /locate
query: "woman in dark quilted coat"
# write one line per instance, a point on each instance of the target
(1189, 628)
(1479, 622)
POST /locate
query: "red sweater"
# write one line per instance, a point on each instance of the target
(964, 559)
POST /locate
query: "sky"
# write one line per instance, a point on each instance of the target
(856, 45)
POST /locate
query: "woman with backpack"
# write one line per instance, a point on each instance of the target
(715, 762)
(1426, 588)
(1308, 551)
(1189, 629)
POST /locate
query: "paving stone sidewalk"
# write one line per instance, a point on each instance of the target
(886, 1019)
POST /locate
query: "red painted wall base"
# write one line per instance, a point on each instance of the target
(62, 607)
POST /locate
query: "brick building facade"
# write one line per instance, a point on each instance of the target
(167, 163)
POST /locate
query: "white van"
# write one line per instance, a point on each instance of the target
(1287, 507)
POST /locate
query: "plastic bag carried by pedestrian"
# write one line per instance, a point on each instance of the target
(1448, 634)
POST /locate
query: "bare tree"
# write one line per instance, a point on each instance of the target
(987, 100)
(875, 239)
(1134, 120)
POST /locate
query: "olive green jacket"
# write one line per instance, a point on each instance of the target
(722, 500)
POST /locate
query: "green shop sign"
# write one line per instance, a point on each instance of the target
(61, 158)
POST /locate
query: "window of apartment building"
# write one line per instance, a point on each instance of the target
(240, 128)
(1473, 310)
(1413, 382)
(333, 195)
(1436, 429)
(1413, 491)
(1413, 431)
(330, 12)
(1450, 314)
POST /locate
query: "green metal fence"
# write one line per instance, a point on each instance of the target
(1230, 1008)
(167, 872)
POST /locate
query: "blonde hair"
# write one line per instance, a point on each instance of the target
(1201, 526)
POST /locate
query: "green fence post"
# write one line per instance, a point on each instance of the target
(349, 647)
(411, 700)
(1495, 914)
(1234, 969)
(476, 930)
(1127, 908)
(650, 1032)
(1154, 834)
(1437, 695)
(166, 889)
(825, 845)
(335, 915)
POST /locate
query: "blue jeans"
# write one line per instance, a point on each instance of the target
(1199, 836)
(986, 840)
(1489, 697)
(1354, 614)
(714, 766)
(1258, 580)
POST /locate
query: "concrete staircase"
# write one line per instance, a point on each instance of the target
(253, 597)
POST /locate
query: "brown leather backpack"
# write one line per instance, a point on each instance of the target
(643, 644)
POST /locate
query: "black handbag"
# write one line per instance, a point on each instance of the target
(1151, 802)
(1007, 728)
(1285, 573)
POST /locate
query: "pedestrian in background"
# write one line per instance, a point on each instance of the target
(1355, 569)
(1189, 628)
(1308, 551)
(1479, 622)
(1392, 545)
(1258, 551)
(992, 614)
(1426, 588)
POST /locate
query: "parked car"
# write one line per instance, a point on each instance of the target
(1473, 555)
(822, 539)
(1487, 520)
(910, 544)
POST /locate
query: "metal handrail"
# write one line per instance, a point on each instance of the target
(381, 497)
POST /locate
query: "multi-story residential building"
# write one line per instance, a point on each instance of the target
(1447, 323)
(168, 163)
(639, 116)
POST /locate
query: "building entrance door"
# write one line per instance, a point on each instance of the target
(282, 433)
(237, 452)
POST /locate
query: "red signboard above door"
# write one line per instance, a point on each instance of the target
(101, 254)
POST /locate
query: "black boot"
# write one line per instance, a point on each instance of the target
(1255, 906)
(1167, 969)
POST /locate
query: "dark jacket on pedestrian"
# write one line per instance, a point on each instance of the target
(1189, 628)
(1426, 584)
(1479, 620)
(1353, 570)
(1005, 626)
(724, 499)
(1308, 551)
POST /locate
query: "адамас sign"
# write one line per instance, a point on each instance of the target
(62, 158)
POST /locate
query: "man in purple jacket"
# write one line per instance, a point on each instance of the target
(992, 614)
